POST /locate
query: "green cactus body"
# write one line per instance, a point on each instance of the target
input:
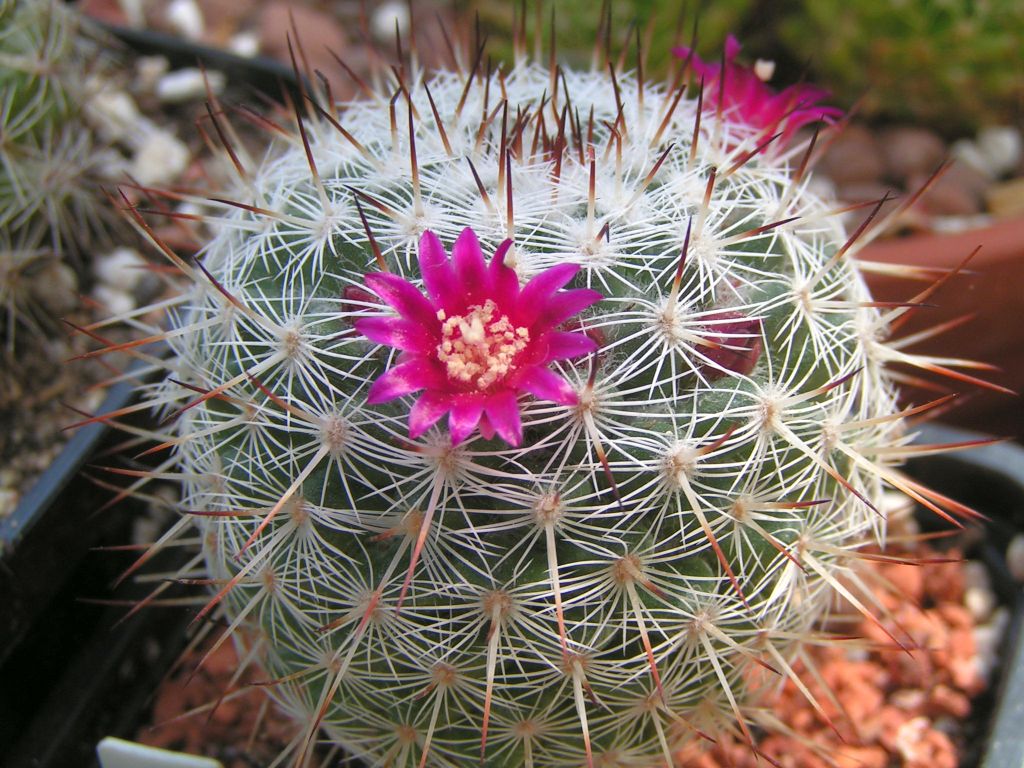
(610, 586)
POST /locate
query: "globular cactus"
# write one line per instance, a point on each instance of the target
(531, 417)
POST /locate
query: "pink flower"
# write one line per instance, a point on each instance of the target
(745, 97)
(476, 340)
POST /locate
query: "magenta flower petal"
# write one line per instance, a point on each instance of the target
(486, 429)
(743, 96)
(537, 293)
(504, 281)
(548, 385)
(564, 305)
(398, 333)
(469, 265)
(503, 413)
(426, 412)
(438, 276)
(402, 296)
(463, 418)
(732, 47)
(411, 376)
(562, 345)
(476, 340)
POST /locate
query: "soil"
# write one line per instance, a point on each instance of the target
(38, 389)
(908, 707)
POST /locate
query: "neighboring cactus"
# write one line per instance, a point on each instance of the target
(561, 498)
(51, 161)
(954, 65)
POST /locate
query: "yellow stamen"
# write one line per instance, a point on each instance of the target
(480, 347)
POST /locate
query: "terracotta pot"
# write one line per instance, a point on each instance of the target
(990, 291)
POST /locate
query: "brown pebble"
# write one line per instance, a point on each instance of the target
(850, 756)
(908, 582)
(910, 151)
(945, 581)
(959, 191)
(225, 18)
(319, 33)
(944, 700)
(863, 192)
(853, 157)
(108, 11)
(1006, 198)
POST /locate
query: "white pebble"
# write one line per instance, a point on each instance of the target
(1001, 148)
(185, 18)
(979, 602)
(112, 113)
(145, 530)
(384, 18)
(910, 737)
(134, 12)
(8, 501)
(245, 44)
(976, 575)
(896, 503)
(113, 301)
(951, 225)
(854, 653)
(967, 152)
(764, 69)
(160, 159)
(987, 639)
(1015, 557)
(149, 70)
(908, 698)
(121, 269)
(187, 84)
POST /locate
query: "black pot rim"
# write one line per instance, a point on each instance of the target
(1002, 462)
(40, 496)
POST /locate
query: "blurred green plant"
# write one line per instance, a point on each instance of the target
(579, 23)
(956, 65)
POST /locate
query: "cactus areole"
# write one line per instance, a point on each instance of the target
(529, 417)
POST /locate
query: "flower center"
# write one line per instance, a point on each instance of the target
(479, 348)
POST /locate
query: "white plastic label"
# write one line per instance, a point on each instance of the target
(118, 753)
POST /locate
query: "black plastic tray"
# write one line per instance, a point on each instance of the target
(52, 528)
(991, 480)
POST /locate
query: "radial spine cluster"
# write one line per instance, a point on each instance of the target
(645, 493)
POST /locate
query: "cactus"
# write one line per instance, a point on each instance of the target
(529, 417)
(51, 66)
(51, 161)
